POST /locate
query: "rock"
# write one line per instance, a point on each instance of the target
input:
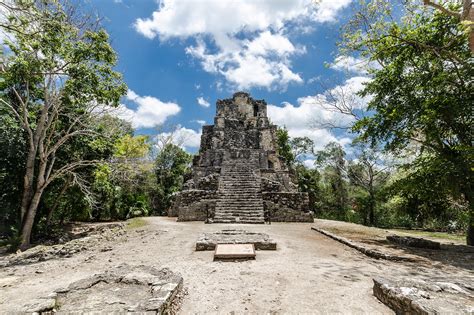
(414, 296)
(42, 253)
(123, 288)
(40, 305)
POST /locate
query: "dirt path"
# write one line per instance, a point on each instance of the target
(308, 273)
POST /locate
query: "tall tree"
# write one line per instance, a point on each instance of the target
(59, 70)
(368, 172)
(172, 165)
(422, 91)
(332, 161)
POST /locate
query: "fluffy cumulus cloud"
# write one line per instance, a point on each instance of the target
(202, 102)
(149, 112)
(260, 58)
(299, 121)
(181, 136)
(352, 64)
(302, 119)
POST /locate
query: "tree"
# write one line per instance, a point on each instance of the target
(426, 201)
(284, 147)
(464, 14)
(332, 161)
(308, 181)
(369, 173)
(292, 149)
(123, 184)
(172, 165)
(422, 91)
(58, 75)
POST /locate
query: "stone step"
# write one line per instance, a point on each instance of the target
(238, 208)
(242, 211)
(232, 215)
(240, 221)
(241, 190)
(236, 202)
(229, 215)
(237, 212)
(240, 205)
(240, 182)
(237, 186)
(240, 199)
(240, 195)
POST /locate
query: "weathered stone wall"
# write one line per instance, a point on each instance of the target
(287, 206)
(273, 180)
(193, 205)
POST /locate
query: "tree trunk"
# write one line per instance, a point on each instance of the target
(29, 220)
(372, 211)
(30, 215)
(470, 229)
(28, 184)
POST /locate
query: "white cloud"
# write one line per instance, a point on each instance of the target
(300, 119)
(261, 62)
(181, 136)
(328, 10)
(202, 102)
(150, 111)
(183, 18)
(352, 64)
(248, 41)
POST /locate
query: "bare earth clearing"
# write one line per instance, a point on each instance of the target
(307, 273)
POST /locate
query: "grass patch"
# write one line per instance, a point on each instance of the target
(136, 223)
(440, 235)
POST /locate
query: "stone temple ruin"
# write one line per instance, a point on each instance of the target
(238, 176)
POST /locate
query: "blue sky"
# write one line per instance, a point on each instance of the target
(179, 56)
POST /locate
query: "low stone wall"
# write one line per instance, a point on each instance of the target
(287, 206)
(413, 242)
(364, 250)
(194, 205)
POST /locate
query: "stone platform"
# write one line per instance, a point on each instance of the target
(234, 252)
(261, 241)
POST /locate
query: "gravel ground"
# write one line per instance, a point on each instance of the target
(308, 273)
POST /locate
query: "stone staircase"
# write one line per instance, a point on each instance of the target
(240, 196)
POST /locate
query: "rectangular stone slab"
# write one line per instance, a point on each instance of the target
(234, 251)
(261, 241)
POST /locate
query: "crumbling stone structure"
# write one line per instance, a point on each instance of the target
(238, 176)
